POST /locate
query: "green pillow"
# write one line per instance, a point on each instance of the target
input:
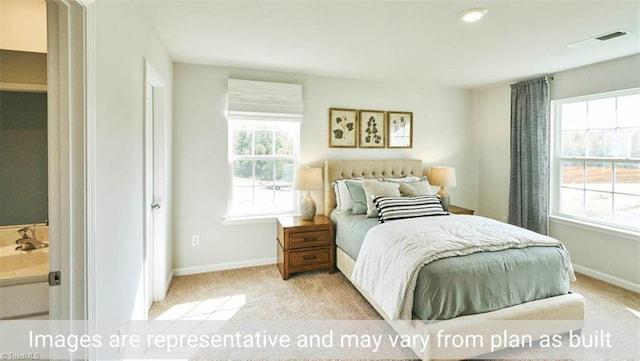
(358, 196)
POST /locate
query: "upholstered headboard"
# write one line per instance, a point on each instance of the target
(370, 168)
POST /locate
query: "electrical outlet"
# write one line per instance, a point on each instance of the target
(195, 240)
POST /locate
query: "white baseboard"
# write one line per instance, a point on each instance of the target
(607, 278)
(223, 266)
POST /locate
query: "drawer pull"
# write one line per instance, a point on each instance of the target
(310, 239)
(307, 258)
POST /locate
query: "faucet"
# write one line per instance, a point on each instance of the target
(27, 243)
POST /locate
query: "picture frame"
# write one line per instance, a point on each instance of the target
(343, 128)
(400, 129)
(372, 128)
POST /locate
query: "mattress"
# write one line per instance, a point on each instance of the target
(350, 231)
(471, 284)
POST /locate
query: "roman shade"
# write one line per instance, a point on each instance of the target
(259, 100)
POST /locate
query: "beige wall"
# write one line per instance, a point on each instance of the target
(23, 25)
(491, 113)
(443, 133)
(124, 39)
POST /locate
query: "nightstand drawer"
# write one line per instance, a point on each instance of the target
(304, 245)
(309, 260)
(309, 239)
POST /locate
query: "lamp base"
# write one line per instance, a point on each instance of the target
(308, 208)
(444, 198)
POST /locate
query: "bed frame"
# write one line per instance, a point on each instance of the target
(570, 307)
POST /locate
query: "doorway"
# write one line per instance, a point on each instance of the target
(73, 153)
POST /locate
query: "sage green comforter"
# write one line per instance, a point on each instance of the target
(471, 284)
(488, 281)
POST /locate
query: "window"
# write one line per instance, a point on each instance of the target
(264, 131)
(596, 159)
(263, 157)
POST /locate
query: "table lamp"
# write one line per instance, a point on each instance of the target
(444, 177)
(307, 179)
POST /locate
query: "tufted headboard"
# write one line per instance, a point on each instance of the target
(371, 168)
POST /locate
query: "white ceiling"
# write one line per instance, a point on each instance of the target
(397, 40)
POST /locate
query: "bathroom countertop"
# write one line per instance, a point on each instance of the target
(20, 267)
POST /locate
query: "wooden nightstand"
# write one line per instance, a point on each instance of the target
(460, 210)
(305, 245)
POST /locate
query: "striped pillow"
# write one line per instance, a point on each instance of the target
(392, 208)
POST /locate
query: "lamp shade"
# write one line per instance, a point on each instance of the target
(307, 179)
(442, 176)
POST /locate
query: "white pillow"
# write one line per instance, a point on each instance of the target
(374, 188)
(343, 196)
(414, 189)
(408, 179)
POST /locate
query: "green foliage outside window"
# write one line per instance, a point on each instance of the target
(243, 144)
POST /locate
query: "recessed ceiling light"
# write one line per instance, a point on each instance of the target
(472, 15)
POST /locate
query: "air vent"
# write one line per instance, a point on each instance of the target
(598, 39)
(612, 35)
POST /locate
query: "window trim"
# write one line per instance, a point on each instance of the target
(241, 218)
(595, 227)
(556, 160)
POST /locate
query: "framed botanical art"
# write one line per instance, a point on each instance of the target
(372, 129)
(343, 129)
(400, 129)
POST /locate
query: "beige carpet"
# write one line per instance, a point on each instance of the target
(324, 296)
(311, 295)
(260, 293)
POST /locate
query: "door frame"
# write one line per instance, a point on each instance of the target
(71, 138)
(156, 146)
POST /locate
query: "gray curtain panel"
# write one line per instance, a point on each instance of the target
(529, 188)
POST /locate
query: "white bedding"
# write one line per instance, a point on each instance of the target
(393, 253)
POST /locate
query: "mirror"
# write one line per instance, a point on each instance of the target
(23, 158)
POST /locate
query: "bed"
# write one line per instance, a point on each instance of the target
(439, 303)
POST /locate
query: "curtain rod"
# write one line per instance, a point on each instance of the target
(546, 77)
